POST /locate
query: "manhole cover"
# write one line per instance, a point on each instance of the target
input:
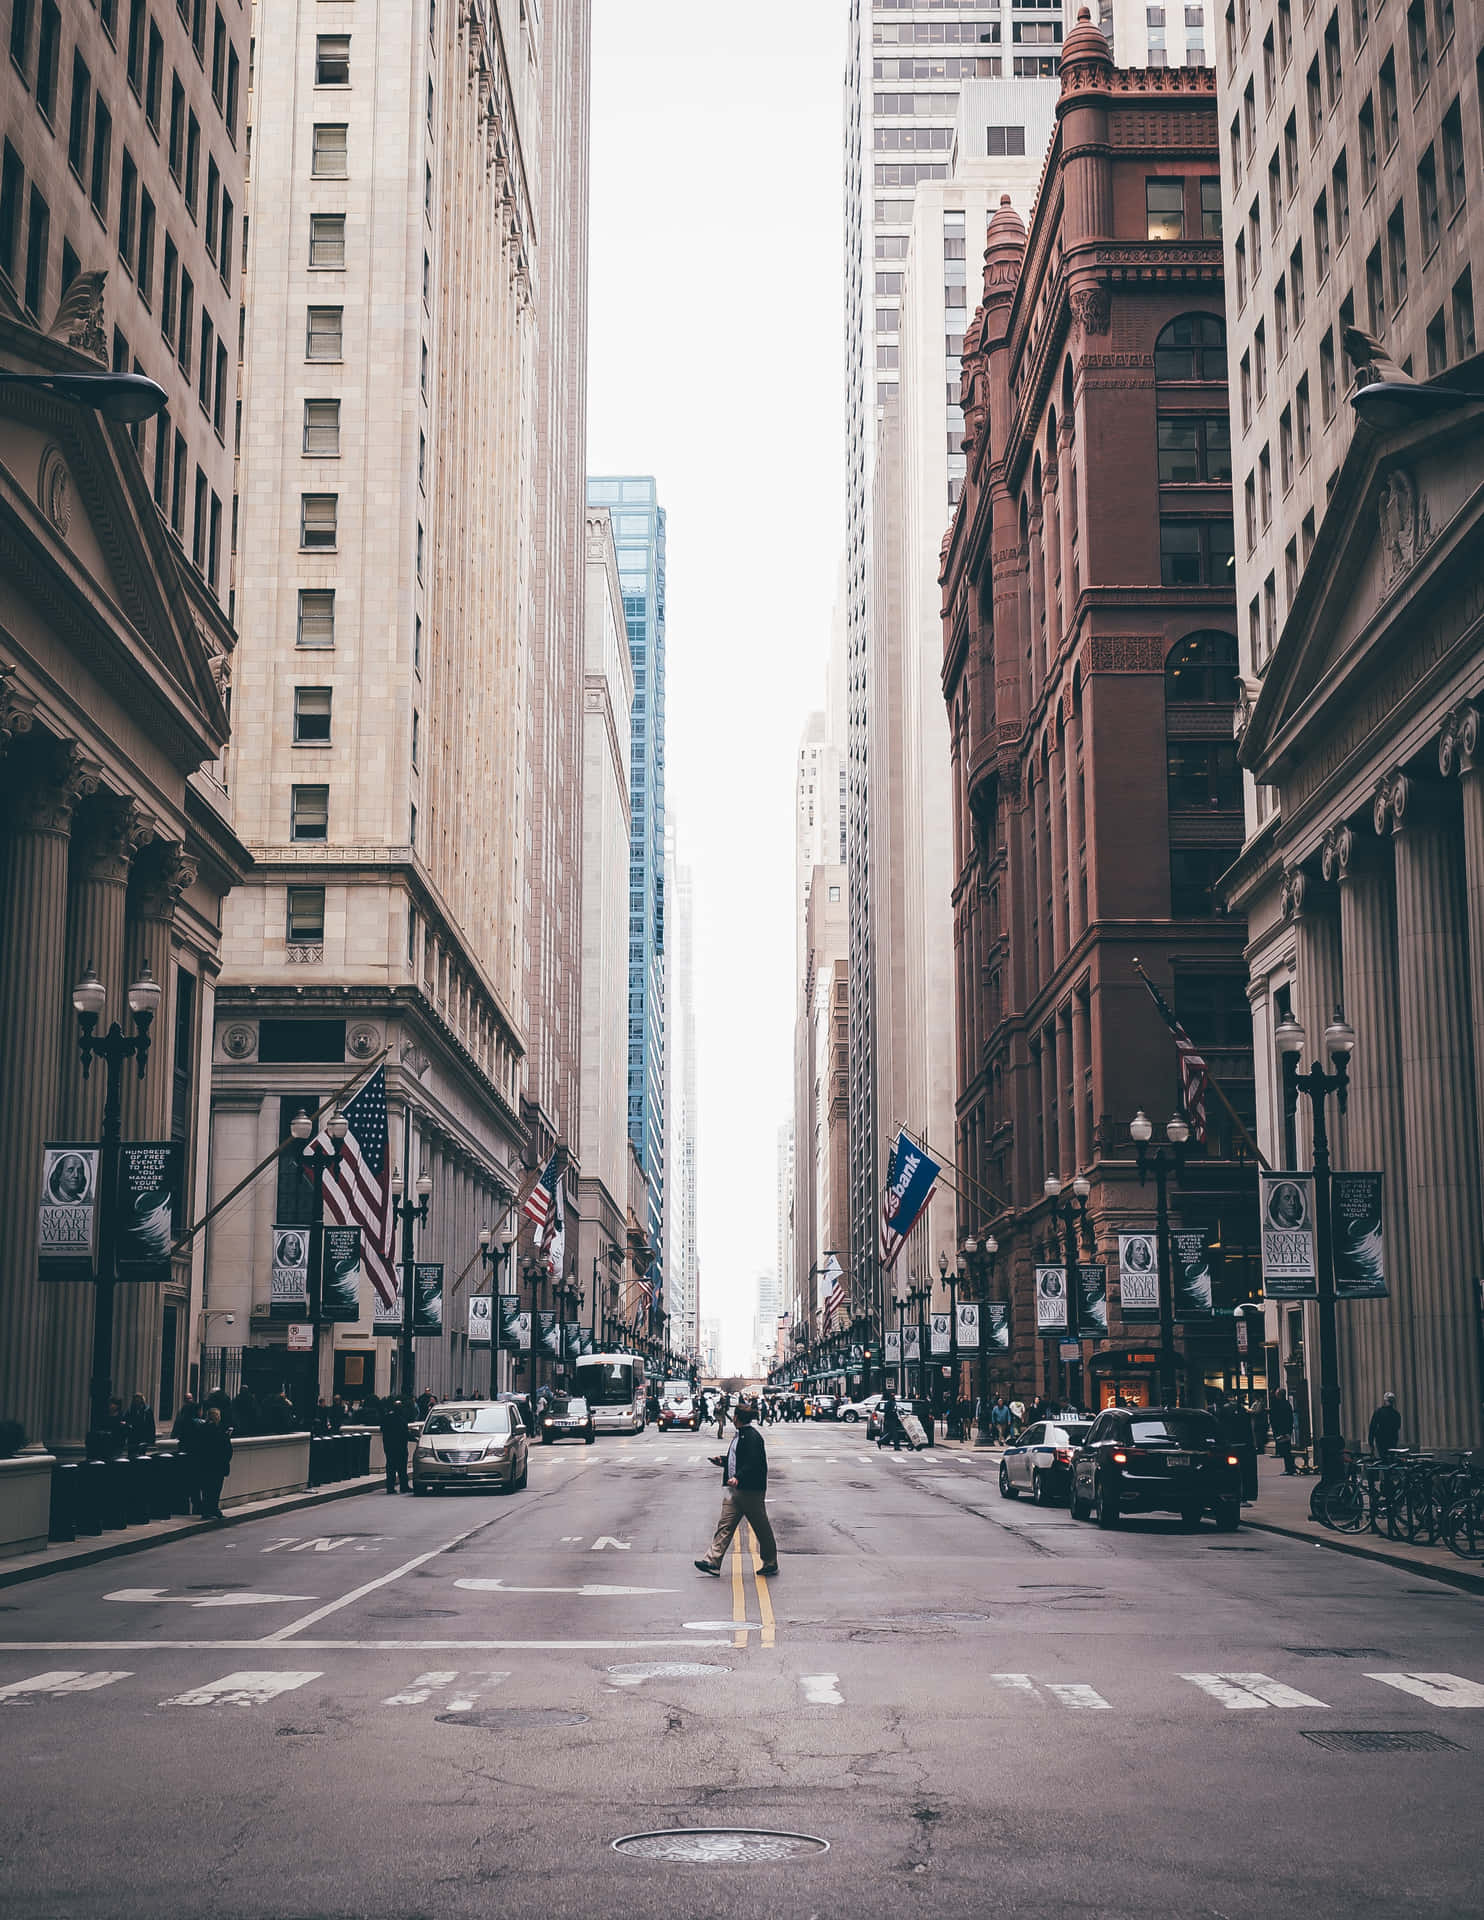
(497, 1719)
(1384, 1742)
(1340, 1653)
(720, 1846)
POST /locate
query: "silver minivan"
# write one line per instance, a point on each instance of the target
(471, 1443)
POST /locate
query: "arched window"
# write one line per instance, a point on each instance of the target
(1204, 780)
(1191, 348)
(1203, 667)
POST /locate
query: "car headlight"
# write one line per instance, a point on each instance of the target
(546, 1423)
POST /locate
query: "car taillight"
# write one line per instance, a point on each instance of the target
(1064, 1456)
(1121, 1458)
(1232, 1460)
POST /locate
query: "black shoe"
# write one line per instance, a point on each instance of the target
(769, 1572)
(705, 1566)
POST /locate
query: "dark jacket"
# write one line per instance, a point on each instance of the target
(139, 1424)
(395, 1436)
(211, 1449)
(1386, 1428)
(752, 1461)
(1280, 1415)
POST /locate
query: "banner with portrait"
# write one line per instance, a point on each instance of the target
(1138, 1277)
(288, 1284)
(147, 1209)
(1360, 1259)
(911, 1344)
(1290, 1268)
(481, 1319)
(967, 1315)
(507, 1312)
(548, 1333)
(340, 1275)
(67, 1246)
(1192, 1274)
(1051, 1300)
(1092, 1302)
(427, 1297)
(942, 1334)
(893, 1348)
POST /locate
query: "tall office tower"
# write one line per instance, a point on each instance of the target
(682, 1251)
(765, 1325)
(551, 1007)
(819, 814)
(784, 1192)
(904, 67)
(384, 533)
(120, 214)
(1139, 34)
(639, 536)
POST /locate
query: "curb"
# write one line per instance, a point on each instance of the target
(1447, 1576)
(190, 1529)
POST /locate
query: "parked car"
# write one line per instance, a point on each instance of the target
(873, 1425)
(822, 1406)
(679, 1408)
(471, 1443)
(1040, 1461)
(567, 1417)
(854, 1411)
(1156, 1460)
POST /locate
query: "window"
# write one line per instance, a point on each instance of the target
(1453, 172)
(102, 153)
(1249, 119)
(1269, 70)
(332, 60)
(1260, 361)
(1236, 149)
(187, 321)
(1246, 383)
(1285, 449)
(145, 275)
(1427, 201)
(311, 716)
(225, 268)
(318, 515)
(329, 158)
(327, 240)
(219, 59)
(48, 54)
(309, 813)
(134, 45)
(306, 916)
(1280, 319)
(219, 393)
(1334, 69)
(1194, 448)
(1211, 209)
(1195, 874)
(1314, 97)
(213, 194)
(322, 428)
(1327, 395)
(416, 735)
(1285, 33)
(1202, 667)
(324, 333)
(1004, 140)
(1437, 343)
(1165, 204)
(1445, 21)
(205, 363)
(1390, 121)
(128, 209)
(1302, 421)
(38, 246)
(1306, 533)
(1321, 238)
(192, 163)
(1240, 253)
(1275, 193)
(1396, 255)
(12, 187)
(1265, 488)
(1368, 161)
(1339, 181)
(78, 115)
(1360, 19)
(1191, 348)
(1463, 315)
(1296, 284)
(1195, 553)
(1375, 292)
(198, 525)
(316, 617)
(1202, 775)
(1290, 571)
(1417, 47)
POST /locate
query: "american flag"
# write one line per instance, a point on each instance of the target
(1194, 1074)
(834, 1303)
(541, 1200)
(891, 1240)
(356, 1190)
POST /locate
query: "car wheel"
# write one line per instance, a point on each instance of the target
(850, 1419)
(1007, 1492)
(1228, 1515)
(546, 1439)
(1039, 1495)
(418, 1492)
(1190, 1518)
(1074, 1504)
(1104, 1508)
(590, 1438)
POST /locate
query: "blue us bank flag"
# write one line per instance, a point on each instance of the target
(910, 1176)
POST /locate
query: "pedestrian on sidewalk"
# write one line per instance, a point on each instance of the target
(396, 1437)
(1385, 1428)
(139, 1427)
(213, 1456)
(1280, 1418)
(744, 1474)
(1001, 1416)
(721, 1416)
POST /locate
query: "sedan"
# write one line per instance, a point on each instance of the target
(1156, 1460)
(679, 1410)
(1040, 1461)
(567, 1419)
(854, 1411)
(822, 1406)
(471, 1443)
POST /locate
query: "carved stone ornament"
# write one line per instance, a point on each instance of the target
(1381, 805)
(239, 1042)
(362, 1041)
(17, 708)
(54, 490)
(1242, 712)
(1338, 857)
(79, 316)
(1091, 308)
(164, 882)
(1405, 526)
(1458, 743)
(1295, 889)
(1394, 795)
(415, 1060)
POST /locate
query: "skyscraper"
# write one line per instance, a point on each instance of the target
(639, 537)
(682, 1254)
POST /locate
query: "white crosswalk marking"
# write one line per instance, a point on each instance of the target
(249, 1689)
(1437, 1689)
(1065, 1693)
(64, 1681)
(1241, 1691)
(1014, 1682)
(822, 1689)
(421, 1688)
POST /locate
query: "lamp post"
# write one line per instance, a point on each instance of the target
(1339, 1043)
(411, 1213)
(920, 1293)
(315, 1159)
(978, 1260)
(89, 998)
(948, 1277)
(1162, 1160)
(127, 397)
(1071, 1212)
(494, 1251)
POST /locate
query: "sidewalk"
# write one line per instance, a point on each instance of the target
(1283, 1507)
(111, 1546)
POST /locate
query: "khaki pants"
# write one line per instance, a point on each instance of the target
(737, 1506)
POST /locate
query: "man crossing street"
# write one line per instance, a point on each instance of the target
(744, 1472)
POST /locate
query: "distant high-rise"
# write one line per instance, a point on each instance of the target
(682, 1256)
(639, 537)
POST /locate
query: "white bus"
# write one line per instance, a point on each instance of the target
(614, 1386)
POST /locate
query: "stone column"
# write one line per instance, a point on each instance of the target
(1075, 828)
(1440, 1108)
(1318, 988)
(1080, 1042)
(46, 784)
(1056, 814)
(1462, 748)
(102, 846)
(1375, 1336)
(1039, 649)
(1051, 510)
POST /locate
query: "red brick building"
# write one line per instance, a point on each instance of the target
(1090, 671)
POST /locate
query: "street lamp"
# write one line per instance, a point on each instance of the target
(1339, 1043)
(1071, 1211)
(978, 1261)
(494, 1251)
(316, 1160)
(410, 1213)
(1177, 1132)
(89, 999)
(127, 397)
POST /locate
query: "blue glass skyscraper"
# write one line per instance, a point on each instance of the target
(639, 535)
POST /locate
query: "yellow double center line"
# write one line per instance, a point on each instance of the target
(759, 1587)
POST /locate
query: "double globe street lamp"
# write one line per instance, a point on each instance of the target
(1161, 1162)
(494, 1250)
(316, 1160)
(977, 1259)
(412, 1214)
(1069, 1205)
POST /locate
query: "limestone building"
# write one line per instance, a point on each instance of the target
(384, 583)
(120, 219)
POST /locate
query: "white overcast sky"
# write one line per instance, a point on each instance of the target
(716, 364)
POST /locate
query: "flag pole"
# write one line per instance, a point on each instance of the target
(1215, 1085)
(1000, 1205)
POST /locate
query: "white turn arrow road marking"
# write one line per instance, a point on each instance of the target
(607, 1540)
(1437, 1689)
(240, 1690)
(153, 1596)
(65, 1681)
(1241, 1691)
(591, 1589)
(822, 1689)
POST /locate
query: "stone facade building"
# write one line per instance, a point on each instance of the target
(1090, 676)
(120, 207)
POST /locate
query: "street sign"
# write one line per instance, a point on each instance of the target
(301, 1337)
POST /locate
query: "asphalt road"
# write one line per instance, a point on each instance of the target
(386, 1708)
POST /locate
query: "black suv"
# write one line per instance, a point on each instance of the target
(1156, 1460)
